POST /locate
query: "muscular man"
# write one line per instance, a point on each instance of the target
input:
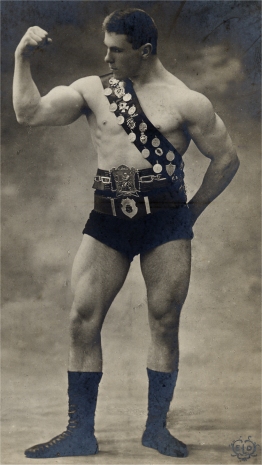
(142, 119)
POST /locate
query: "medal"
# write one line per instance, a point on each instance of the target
(127, 97)
(123, 106)
(132, 110)
(155, 142)
(119, 92)
(170, 156)
(113, 106)
(170, 169)
(157, 168)
(142, 127)
(143, 139)
(113, 82)
(132, 137)
(121, 84)
(108, 91)
(159, 151)
(120, 119)
(145, 153)
(131, 123)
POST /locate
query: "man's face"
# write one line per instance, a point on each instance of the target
(123, 60)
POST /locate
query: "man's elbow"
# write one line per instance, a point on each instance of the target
(21, 120)
(24, 119)
(231, 163)
(234, 163)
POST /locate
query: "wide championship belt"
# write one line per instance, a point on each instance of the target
(152, 145)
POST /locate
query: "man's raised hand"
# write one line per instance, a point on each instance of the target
(34, 38)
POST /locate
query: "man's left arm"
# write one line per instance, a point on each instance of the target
(212, 139)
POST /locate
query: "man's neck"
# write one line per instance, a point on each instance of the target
(151, 71)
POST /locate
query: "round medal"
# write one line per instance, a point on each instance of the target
(142, 127)
(145, 153)
(159, 151)
(127, 97)
(108, 91)
(155, 142)
(121, 84)
(157, 168)
(120, 119)
(143, 139)
(170, 156)
(132, 137)
(113, 106)
(132, 110)
(113, 81)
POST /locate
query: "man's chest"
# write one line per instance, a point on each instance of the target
(162, 111)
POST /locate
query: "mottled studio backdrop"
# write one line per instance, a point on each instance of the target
(214, 47)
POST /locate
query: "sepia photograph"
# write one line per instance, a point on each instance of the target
(131, 156)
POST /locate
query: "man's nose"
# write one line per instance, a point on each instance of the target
(108, 57)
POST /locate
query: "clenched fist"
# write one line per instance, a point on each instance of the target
(34, 38)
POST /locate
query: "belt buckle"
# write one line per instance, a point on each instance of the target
(124, 178)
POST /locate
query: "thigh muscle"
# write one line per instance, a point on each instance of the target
(98, 274)
(166, 270)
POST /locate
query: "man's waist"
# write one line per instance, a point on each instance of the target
(135, 206)
(128, 181)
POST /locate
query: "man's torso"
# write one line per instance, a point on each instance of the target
(162, 102)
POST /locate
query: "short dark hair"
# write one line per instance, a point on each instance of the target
(136, 24)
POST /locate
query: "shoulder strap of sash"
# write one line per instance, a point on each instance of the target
(150, 142)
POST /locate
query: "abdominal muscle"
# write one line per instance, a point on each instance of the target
(113, 146)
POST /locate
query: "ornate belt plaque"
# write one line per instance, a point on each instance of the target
(124, 178)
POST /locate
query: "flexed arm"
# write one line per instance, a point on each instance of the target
(212, 139)
(61, 106)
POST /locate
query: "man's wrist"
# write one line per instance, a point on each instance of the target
(21, 55)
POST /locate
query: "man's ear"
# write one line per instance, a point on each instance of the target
(146, 50)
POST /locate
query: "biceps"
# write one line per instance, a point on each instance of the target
(61, 106)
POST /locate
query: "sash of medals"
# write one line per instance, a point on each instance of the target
(152, 145)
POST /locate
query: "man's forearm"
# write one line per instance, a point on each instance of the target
(218, 175)
(26, 96)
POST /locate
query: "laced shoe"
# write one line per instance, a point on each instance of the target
(78, 439)
(156, 435)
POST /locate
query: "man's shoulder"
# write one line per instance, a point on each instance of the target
(182, 92)
(192, 104)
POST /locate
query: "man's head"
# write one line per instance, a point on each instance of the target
(131, 39)
(138, 27)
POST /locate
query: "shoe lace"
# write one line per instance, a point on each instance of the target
(72, 424)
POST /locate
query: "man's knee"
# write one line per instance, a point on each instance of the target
(87, 309)
(165, 306)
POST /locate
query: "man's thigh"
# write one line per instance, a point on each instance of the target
(98, 268)
(166, 271)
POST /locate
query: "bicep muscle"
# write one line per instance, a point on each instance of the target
(61, 106)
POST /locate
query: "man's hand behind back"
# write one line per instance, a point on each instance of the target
(34, 38)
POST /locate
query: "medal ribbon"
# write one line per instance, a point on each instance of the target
(153, 146)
